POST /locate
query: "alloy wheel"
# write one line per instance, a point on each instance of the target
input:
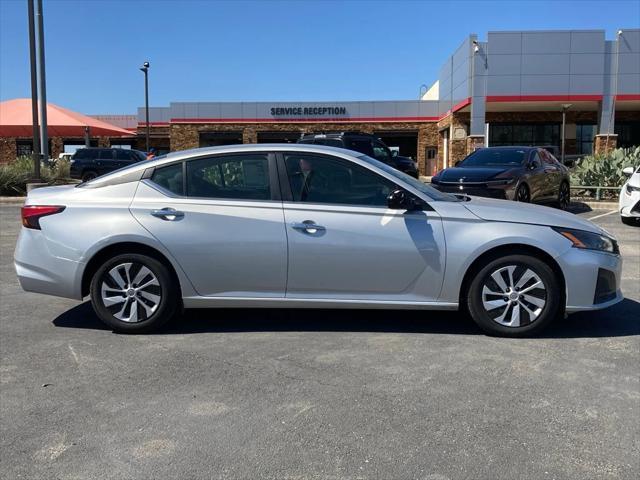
(522, 195)
(131, 292)
(514, 295)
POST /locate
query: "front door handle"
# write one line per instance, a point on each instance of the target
(169, 214)
(308, 226)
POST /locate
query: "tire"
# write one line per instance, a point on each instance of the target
(89, 175)
(564, 196)
(496, 316)
(113, 296)
(522, 194)
(631, 221)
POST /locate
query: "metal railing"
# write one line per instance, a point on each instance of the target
(596, 188)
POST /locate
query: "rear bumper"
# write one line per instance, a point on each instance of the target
(40, 271)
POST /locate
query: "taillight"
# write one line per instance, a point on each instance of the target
(31, 214)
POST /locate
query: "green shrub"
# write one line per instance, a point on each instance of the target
(14, 176)
(605, 170)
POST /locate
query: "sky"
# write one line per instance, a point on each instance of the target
(205, 50)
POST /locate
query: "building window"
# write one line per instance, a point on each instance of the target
(628, 134)
(24, 148)
(507, 134)
(585, 132)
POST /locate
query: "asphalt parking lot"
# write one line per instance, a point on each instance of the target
(300, 394)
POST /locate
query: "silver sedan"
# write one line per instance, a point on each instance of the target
(303, 226)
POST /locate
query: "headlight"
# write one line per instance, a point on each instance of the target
(506, 181)
(631, 189)
(589, 241)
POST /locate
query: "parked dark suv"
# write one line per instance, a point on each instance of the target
(89, 163)
(368, 144)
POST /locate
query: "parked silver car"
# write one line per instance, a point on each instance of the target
(306, 226)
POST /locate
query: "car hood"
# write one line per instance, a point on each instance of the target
(516, 212)
(475, 174)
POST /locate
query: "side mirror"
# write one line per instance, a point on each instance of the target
(628, 171)
(394, 153)
(533, 164)
(402, 200)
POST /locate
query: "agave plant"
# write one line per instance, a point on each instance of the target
(606, 170)
(15, 175)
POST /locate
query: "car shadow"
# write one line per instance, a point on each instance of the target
(577, 207)
(621, 320)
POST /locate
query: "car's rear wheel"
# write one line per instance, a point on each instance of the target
(564, 196)
(134, 293)
(89, 175)
(514, 296)
(522, 194)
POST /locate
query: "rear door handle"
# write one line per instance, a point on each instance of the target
(169, 214)
(308, 226)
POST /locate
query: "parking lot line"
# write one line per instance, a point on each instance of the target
(602, 215)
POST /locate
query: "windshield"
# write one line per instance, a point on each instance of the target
(491, 157)
(414, 182)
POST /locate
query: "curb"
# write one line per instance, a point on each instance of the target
(12, 200)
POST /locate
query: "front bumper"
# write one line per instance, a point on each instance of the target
(592, 279)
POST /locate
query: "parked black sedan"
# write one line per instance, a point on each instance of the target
(524, 174)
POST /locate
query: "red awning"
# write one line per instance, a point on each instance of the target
(16, 121)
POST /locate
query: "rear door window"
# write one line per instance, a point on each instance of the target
(241, 177)
(360, 145)
(105, 154)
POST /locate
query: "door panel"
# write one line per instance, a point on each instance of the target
(364, 253)
(226, 247)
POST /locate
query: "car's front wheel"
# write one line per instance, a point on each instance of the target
(514, 296)
(134, 293)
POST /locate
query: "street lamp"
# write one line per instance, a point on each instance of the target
(565, 107)
(145, 70)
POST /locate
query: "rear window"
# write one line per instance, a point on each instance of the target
(169, 178)
(85, 154)
(487, 157)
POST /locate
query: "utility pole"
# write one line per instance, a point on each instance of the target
(35, 153)
(44, 139)
(145, 69)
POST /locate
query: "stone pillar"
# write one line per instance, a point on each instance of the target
(183, 137)
(249, 135)
(421, 149)
(57, 147)
(474, 142)
(457, 151)
(8, 150)
(104, 142)
(604, 144)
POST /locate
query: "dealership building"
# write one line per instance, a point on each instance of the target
(510, 89)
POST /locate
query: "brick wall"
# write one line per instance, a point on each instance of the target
(7, 150)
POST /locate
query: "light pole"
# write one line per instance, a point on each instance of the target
(34, 93)
(565, 107)
(44, 136)
(145, 70)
